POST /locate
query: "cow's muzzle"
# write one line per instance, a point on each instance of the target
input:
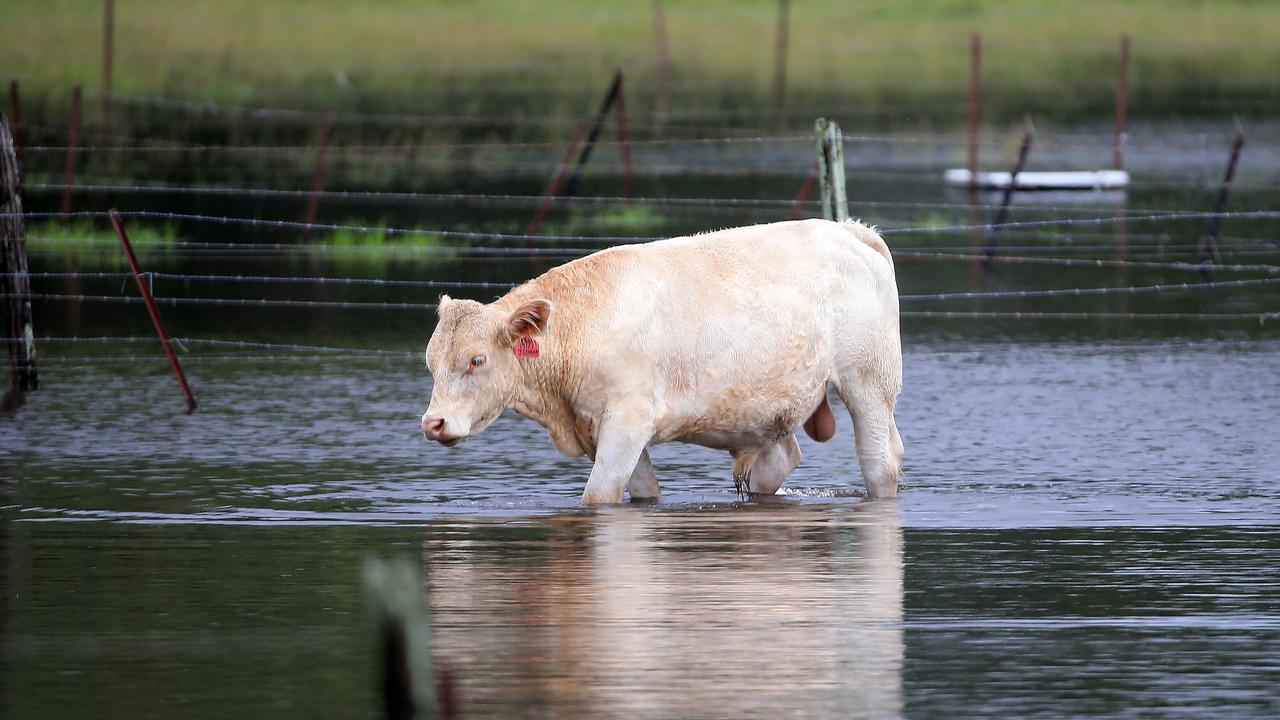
(434, 429)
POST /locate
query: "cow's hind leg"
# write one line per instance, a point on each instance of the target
(879, 446)
(762, 472)
(643, 484)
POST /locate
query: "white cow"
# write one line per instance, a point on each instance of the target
(726, 339)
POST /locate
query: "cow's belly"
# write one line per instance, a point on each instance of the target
(741, 419)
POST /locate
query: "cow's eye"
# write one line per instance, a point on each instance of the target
(477, 361)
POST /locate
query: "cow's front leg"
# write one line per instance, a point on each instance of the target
(622, 440)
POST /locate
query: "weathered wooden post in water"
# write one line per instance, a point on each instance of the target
(835, 205)
(1207, 247)
(13, 266)
(395, 592)
(1002, 214)
(156, 320)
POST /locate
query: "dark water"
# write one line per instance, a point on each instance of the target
(1089, 524)
(1086, 529)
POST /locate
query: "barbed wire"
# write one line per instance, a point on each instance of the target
(923, 229)
(534, 200)
(1260, 317)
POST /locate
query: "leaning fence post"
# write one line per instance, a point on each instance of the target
(1002, 214)
(1207, 248)
(835, 206)
(597, 125)
(73, 135)
(317, 177)
(394, 589)
(13, 267)
(156, 320)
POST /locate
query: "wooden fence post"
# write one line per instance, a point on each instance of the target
(610, 97)
(13, 265)
(1207, 247)
(1002, 214)
(835, 205)
(395, 590)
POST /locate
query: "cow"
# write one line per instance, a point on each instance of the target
(727, 339)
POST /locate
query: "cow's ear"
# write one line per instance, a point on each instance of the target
(528, 320)
(444, 300)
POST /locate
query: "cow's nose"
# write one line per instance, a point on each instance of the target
(433, 427)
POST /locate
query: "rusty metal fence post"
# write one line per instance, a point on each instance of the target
(975, 106)
(152, 310)
(317, 177)
(1122, 106)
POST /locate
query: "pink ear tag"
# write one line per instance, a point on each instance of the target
(526, 348)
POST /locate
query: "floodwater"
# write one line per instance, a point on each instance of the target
(1089, 522)
(1086, 528)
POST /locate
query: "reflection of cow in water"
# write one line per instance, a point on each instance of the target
(728, 340)
(767, 612)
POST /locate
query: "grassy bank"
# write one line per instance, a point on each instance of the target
(546, 57)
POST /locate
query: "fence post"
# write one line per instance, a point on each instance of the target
(975, 106)
(610, 97)
(780, 60)
(15, 127)
(73, 136)
(13, 265)
(108, 51)
(395, 591)
(835, 206)
(1003, 213)
(152, 310)
(1207, 248)
(1122, 106)
(317, 177)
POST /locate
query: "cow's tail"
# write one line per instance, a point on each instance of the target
(870, 236)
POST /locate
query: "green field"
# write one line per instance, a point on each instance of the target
(523, 56)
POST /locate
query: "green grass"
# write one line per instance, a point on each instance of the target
(429, 57)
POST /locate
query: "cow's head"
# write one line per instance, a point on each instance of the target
(471, 357)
